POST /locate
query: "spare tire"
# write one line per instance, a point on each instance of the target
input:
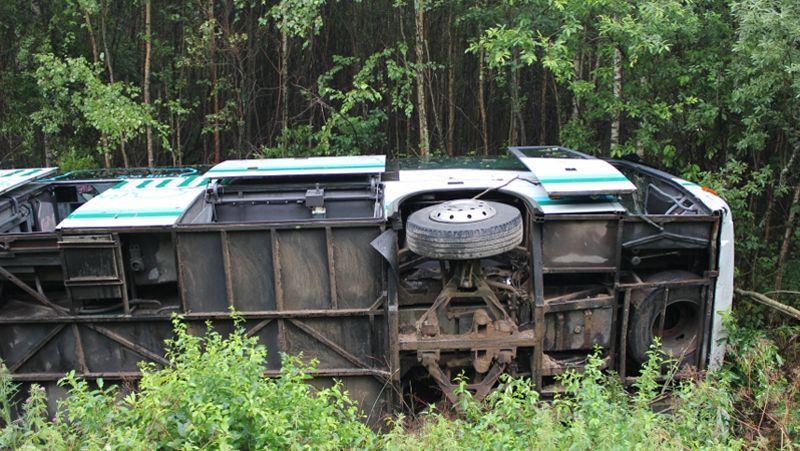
(679, 338)
(464, 229)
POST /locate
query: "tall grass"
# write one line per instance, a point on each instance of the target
(214, 396)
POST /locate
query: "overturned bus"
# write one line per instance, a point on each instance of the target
(395, 280)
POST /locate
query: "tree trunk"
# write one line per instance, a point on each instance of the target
(578, 64)
(765, 224)
(212, 50)
(482, 99)
(110, 68)
(106, 53)
(88, 21)
(48, 152)
(283, 94)
(516, 132)
(787, 237)
(617, 93)
(451, 91)
(146, 82)
(419, 49)
(543, 110)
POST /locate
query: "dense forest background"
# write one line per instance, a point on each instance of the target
(707, 89)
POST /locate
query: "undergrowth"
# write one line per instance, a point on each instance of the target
(215, 396)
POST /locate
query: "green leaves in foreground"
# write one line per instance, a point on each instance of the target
(215, 396)
(594, 413)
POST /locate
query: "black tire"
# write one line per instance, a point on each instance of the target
(451, 241)
(679, 339)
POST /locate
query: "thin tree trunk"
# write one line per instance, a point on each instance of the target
(617, 92)
(482, 99)
(178, 152)
(48, 152)
(146, 83)
(557, 103)
(283, 94)
(578, 63)
(106, 53)
(766, 220)
(212, 50)
(543, 110)
(787, 237)
(110, 68)
(517, 125)
(95, 58)
(451, 91)
(430, 79)
(88, 21)
(419, 48)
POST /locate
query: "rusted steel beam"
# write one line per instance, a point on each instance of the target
(279, 314)
(139, 349)
(329, 247)
(329, 343)
(227, 267)
(79, 353)
(706, 302)
(120, 269)
(578, 269)
(278, 225)
(134, 375)
(179, 262)
(33, 293)
(623, 347)
(257, 328)
(410, 342)
(669, 284)
(36, 348)
(538, 309)
(582, 304)
(196, 316)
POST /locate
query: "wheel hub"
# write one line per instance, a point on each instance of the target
(462, 211)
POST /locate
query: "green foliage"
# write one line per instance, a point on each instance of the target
(353, 116)
(595, 412)
(765, 387)
(298, 18)
(78, 99)
(214, 395)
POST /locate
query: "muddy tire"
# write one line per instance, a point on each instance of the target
(472, 238)
(679, 339)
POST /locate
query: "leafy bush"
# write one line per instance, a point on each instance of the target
(214, 395)
(595, 412)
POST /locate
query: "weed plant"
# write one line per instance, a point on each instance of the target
(215, 396)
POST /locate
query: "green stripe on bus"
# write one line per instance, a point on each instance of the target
(186, 182)
(31, 172)
(120, 184)
(124, 214)
(144, 184)
(12, 173)
(163, 183)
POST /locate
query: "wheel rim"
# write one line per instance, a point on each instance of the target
(679, 337)
(462, 211)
